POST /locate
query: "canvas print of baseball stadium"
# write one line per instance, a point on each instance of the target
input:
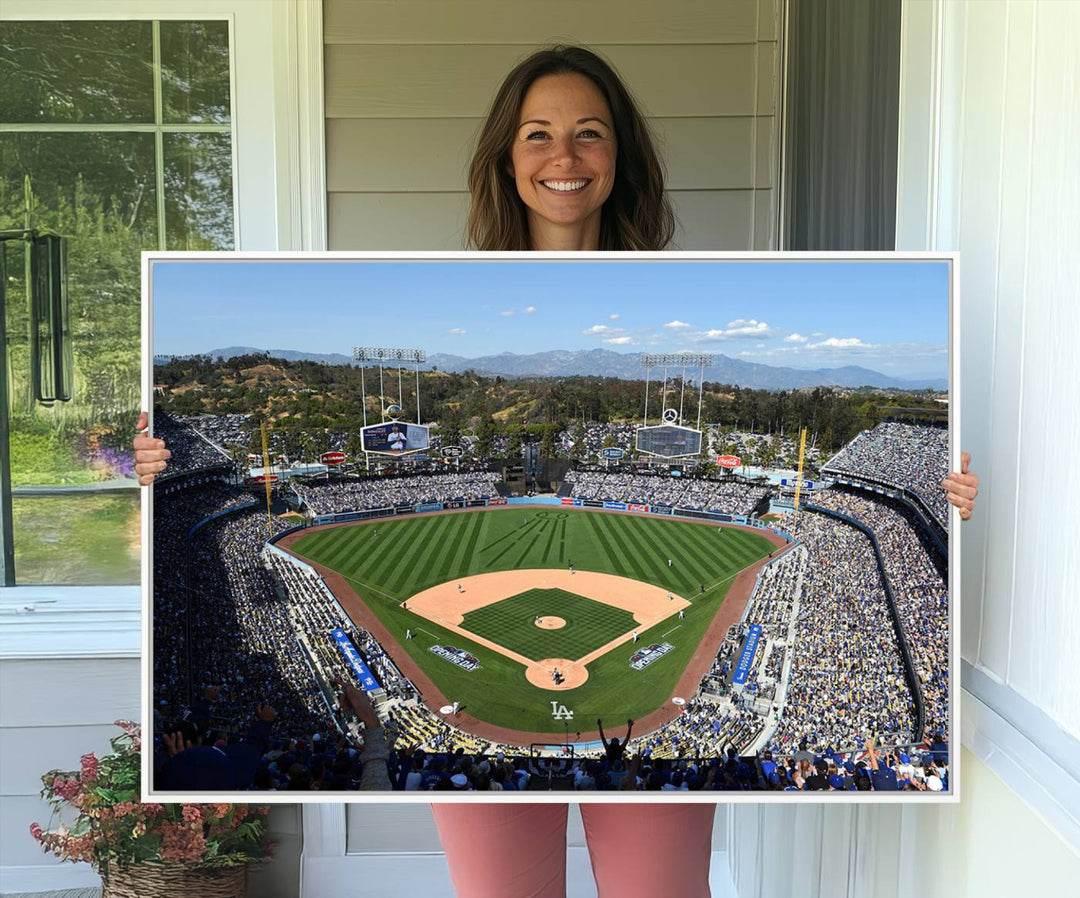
(487, 526)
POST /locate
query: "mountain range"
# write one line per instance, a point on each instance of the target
(625, 366)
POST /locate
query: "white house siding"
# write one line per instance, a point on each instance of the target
(408, 83)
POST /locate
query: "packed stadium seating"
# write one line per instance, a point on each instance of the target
(828, 670)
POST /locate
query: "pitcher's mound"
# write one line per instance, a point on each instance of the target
(550, 623)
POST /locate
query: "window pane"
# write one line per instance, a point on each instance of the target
(98, 191)
(198, 192)
(82, 184)
(77, 540)
(195, 71)
(76, 72)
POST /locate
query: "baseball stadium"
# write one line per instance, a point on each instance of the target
(642, 612)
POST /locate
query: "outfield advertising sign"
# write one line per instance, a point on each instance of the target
(635, 507)
(463, 659)
(499, 501)
(430, 506)
(611, 453)
(353, 659)
(618, 506)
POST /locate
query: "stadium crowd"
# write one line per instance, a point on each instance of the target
(846, 675)
(683, 492)
(918, 577)
(914, 457)
(386, 492)
(190, 450)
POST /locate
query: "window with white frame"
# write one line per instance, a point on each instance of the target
(118, 136)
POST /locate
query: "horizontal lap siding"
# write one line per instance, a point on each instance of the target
(524, 22)
(53, 712)
(408, 83)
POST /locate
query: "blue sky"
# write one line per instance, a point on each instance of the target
(889, 316)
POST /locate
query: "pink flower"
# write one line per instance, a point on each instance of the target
(37, 832)
(65, 788)
(181, 842)
(192, 813)
(89, 767)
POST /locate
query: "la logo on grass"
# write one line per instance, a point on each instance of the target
(559, 712)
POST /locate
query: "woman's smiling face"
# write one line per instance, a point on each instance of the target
(563, 160)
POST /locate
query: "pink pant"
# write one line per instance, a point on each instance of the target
(519, 850)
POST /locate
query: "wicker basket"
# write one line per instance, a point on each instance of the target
(174, 881)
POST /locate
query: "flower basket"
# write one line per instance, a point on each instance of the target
(149, 850)
(173, 881)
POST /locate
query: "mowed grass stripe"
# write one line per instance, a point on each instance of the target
(442, 551)
(341, 543)
(430, 547)
(634, 535)
(613, 556)
(701, 564)
(342, 552)
(730, 555)
(549, 559)
(345, 554)
(530, 548)
(687, 562)
(736, 548)
(713, 546)
(493, 560)
(403, 540)
(468, 531)
(472, 561)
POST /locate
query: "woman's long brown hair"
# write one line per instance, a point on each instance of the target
(637, 214)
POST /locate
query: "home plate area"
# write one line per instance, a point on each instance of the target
(553, 622)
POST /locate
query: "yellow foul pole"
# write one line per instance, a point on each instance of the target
(798, 480)
(266, 471)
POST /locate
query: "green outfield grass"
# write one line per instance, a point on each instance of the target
(512, 623)
(388, 560)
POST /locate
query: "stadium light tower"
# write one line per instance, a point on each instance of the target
(383, 355)
(675, 359)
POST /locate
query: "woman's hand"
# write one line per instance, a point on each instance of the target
(962, 488)
(150, 454)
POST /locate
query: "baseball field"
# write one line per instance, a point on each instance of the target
(552, 603)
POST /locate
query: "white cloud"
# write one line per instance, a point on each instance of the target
(614, 316)
(597, 329)
(457, 330)
(676, 324)
(528, 310)
(740, 328)
(796, 338)
(817, 336)
(508, 313)
(759, 346)
(841, 343)
(619, 341)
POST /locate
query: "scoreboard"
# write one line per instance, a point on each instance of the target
(668, 441)
(393, 438)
